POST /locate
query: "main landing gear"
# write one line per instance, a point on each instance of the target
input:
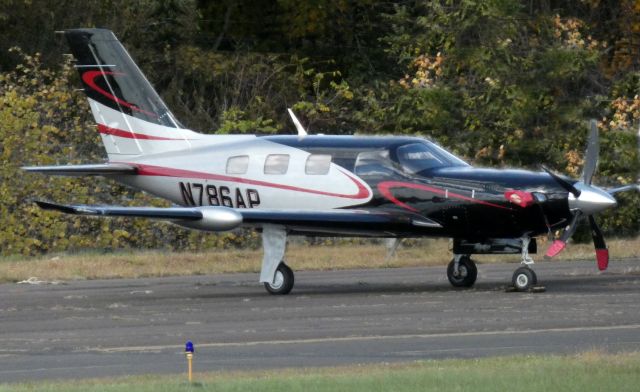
(462, 271)
(282, 282)
(277, 277)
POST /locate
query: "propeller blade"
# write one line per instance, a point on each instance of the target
(623, 188)
(602, 253)
(591, 155)
(559, 245)
(563, 183)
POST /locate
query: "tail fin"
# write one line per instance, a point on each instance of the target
(132, 118)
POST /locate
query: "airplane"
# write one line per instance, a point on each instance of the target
(320, 185)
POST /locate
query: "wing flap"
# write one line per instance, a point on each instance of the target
(103, 169)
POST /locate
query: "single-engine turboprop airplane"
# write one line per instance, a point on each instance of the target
(318, 185)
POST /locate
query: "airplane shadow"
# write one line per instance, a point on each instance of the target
(605, 284)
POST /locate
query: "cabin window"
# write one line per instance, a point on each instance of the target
(318, 164)
(374, 163)
(276, 164)
(238, 164)
(417, 157)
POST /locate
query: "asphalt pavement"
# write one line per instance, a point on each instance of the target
(105, 328)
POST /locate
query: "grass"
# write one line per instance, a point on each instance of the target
(591, 371)
(301, 257)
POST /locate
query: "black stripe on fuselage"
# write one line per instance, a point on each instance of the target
(470, 202)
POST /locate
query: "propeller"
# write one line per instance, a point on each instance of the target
(562, 182)
(585, 199)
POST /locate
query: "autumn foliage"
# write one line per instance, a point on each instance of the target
(499, 82)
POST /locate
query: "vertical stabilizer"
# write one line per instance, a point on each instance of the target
(131, 117)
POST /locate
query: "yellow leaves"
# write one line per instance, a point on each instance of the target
(484, 152)
(568, 31)
(323, 108)
(33, 131)
(626, 112)
(574, 162)
(427, 71)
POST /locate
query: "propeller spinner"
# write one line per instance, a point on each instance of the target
(585, 199)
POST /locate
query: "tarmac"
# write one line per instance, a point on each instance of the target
(104, 328)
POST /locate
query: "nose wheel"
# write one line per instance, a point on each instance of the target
(524, 278)
(462, 271)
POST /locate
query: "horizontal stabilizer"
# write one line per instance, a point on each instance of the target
(140, 212)
(201, 218)
(103, 169)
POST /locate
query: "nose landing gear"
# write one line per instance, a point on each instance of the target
(524, 278)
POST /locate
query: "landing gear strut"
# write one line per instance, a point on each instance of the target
(462, 271)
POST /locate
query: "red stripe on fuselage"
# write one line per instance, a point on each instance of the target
(149, 170)
(386, 186)
(105, 130)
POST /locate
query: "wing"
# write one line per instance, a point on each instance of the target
(354, 222)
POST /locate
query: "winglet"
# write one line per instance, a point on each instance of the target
(301, 131)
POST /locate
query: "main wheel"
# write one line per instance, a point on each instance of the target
(466, 274)
(282, 281)
(524, 278)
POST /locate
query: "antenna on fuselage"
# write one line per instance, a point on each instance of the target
(301, 131)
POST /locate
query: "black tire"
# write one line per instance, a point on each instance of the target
(283, 281)
(467, 273)
(524, 278)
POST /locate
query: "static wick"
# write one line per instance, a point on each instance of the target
(189, 350)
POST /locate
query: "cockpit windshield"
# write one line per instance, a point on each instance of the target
(418, 157)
